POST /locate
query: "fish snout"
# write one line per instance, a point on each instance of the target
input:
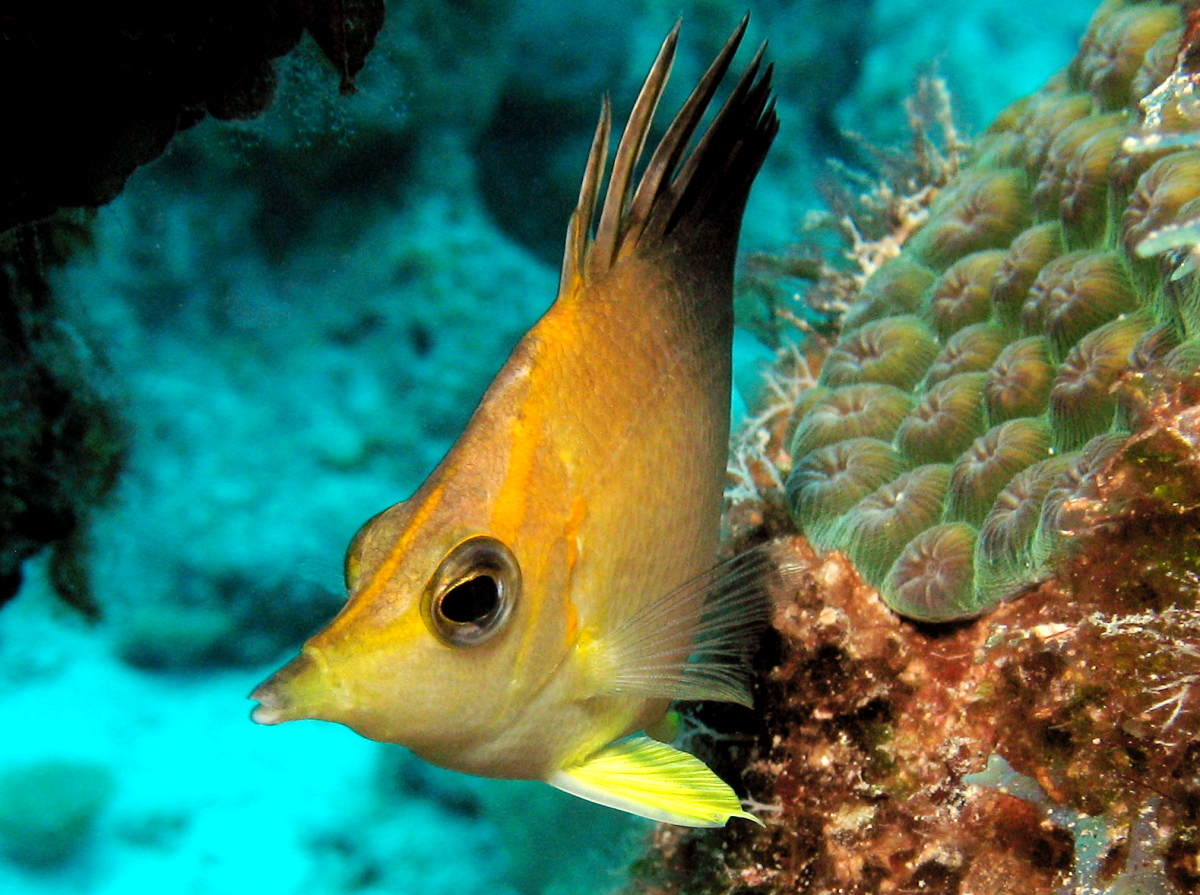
(293, 692)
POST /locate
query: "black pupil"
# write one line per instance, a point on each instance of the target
(471, 601)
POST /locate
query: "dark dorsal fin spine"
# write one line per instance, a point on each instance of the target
(579, 229)
(620, 185)
(715, 181)
(670, 150)
(707, 193)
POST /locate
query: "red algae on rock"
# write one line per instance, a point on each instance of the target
(1041, 732)
(866, 727)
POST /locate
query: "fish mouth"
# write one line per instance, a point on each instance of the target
(283, 696)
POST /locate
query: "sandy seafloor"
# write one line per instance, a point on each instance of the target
(281, 390)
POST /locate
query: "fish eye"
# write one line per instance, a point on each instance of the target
(472, 593)
(471, 602)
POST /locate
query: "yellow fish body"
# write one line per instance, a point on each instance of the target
(537, 600)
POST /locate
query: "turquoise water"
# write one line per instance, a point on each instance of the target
(295, 316)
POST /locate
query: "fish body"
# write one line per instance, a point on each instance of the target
(535, 603)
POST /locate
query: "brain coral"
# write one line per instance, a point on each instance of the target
(982, 368)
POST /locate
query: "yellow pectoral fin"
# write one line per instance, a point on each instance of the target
(653, 780)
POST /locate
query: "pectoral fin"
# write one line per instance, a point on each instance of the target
(653, 780)
(720, 614)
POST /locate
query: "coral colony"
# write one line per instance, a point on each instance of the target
(989, 679)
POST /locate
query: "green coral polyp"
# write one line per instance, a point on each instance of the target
(962, 295)
(1061, 513)
(1044, 273)
(1019, 382)
(1028, 254)
(893, 351)
(1082, 403)
(972, 349)
(933, 578)
(1160, 194)
(983, 470)
(946, 421)
(897, 287)
(1092, 289)
(865, 409)
(1045, 116)
(984, 211)
(1048, 194)
(1114, 47)
(827, 482)
(1004, 557)
(876, 529)
(1084, 203)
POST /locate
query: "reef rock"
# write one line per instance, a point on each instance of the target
(985, 680)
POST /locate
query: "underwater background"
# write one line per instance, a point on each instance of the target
(289, 319)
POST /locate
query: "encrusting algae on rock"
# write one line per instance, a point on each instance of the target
(988, 681)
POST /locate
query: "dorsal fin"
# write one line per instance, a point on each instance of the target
(673, 200)
(579, 228)
(629, 150)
